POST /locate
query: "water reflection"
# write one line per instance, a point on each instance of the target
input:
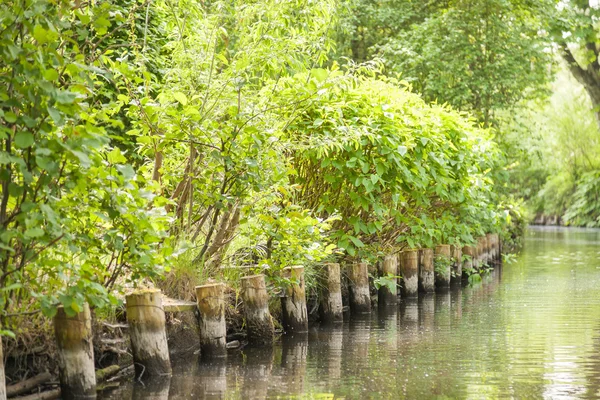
(154, 389)
(527, 330)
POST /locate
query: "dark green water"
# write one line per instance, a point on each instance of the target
(529, 330)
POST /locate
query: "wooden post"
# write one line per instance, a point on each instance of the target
(360, 297)
(75, 352)
(457, 264)
(442, 277)
(147, 330)
(213, 329)
(468, 251)
(2, 377)
(293, 305)
(332, 309)
(426, 271)
(410, 273)
(478, 264)
(485, 255)
(259, 324)
(389, 266)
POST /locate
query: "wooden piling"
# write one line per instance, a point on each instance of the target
(2, 377)
(469, 252)
(75, 352)
(457, 264)
(147, 330)
(331, 307)
(259, 324)
(213, 328)
(410, 273)
(478, 263)
(442, 255)
(426, 271)
(389, 266)
(293, 304)
(360, 297)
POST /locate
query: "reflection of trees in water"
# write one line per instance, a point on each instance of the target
(256, 371)
(387, 320)
(156, 388)
(592, 386)
(294, 350)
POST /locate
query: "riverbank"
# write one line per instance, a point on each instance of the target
(111, 339)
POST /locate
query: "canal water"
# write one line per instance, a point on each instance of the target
(531, 329)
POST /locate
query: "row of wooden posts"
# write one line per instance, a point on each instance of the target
(147, 323)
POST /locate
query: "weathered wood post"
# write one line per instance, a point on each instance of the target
(147, 330)
(410, 273)
(293, 304)
(213, 328)
(443, 270)
(2, 377)
(389, 266)
(259, 324)
(75, 354)
(457, 264)
(426, 271)
(477, 263)
(360, 297)
(485, 255)
(332, 309)
(469, 252)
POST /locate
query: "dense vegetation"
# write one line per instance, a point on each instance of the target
(153, 143)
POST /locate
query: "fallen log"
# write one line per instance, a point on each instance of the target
(27, 385)
(105, 373)
(48, 395)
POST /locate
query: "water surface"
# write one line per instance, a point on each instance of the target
(531, 329)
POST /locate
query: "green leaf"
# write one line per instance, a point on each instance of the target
(23, 139)
(180, 97)
(50, 75)
(34, 232)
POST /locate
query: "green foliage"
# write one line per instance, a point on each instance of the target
(555, 146)
(76, 219)
(389, 281)
(442, 265)
(477, 55)
(394, 168)
(585, 210)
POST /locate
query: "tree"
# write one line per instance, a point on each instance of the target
(479, 56)
(575, 30)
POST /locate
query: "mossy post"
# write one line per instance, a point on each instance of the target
(426, 271)
(147, 330)
(293, 304)
(259, 324)
(2, 377)
(457, 264)
(468, 251)
(389, 266)
(75, 352)
(213, 329)
(332, 309)
(410, 273)
(442, 276)
(360, 297)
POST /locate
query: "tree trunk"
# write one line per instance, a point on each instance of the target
(589, 76)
